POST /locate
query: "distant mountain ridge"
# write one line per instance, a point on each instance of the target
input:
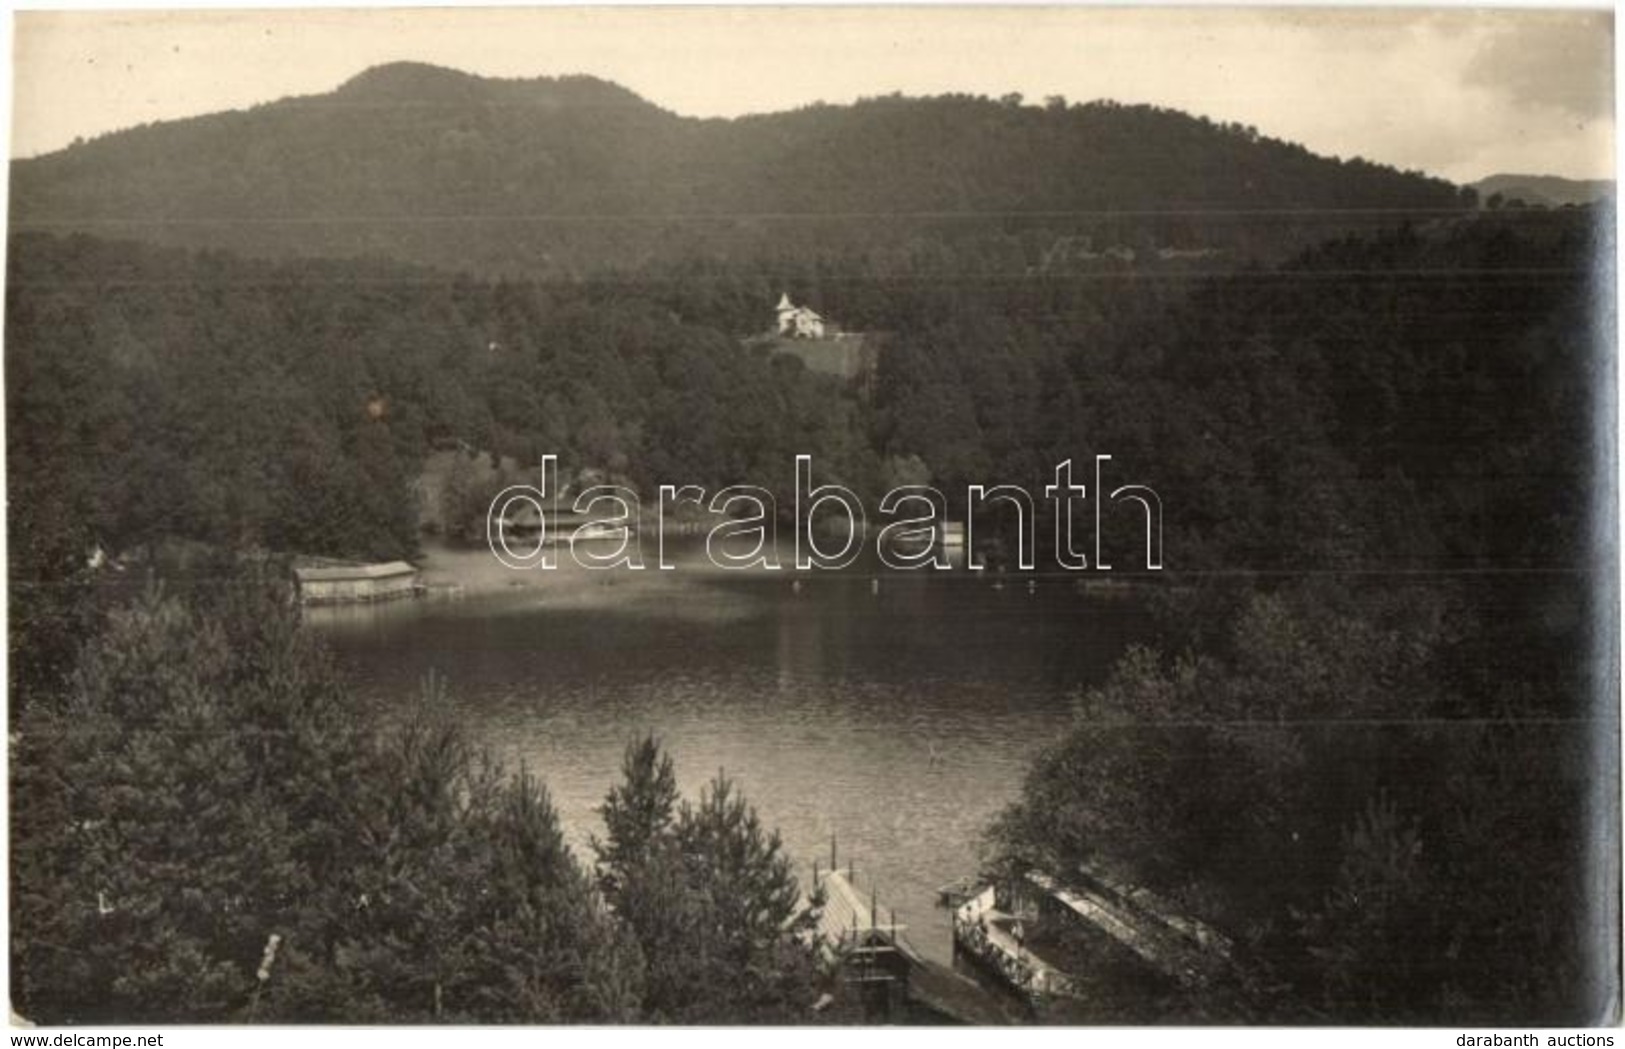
(419, 82)
(1549, 191)
(549, 175)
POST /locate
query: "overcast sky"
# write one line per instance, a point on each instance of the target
(1455, 92)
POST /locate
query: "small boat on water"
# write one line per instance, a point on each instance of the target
(950, 535)
(600, 533)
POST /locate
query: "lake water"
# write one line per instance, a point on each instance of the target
(896, 719)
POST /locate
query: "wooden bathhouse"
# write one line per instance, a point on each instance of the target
(337, 582)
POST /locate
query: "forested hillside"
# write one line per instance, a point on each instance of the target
(1420, 398)
(573, 175)
(162, 393)
(1406, 398)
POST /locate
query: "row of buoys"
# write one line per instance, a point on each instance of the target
(874, 585)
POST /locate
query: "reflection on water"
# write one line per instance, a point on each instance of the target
(898, 718)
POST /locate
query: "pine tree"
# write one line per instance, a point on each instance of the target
(708, 894)
(205, 831)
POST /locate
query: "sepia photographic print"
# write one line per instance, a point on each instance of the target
(799, 516)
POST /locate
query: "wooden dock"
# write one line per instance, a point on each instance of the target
(986, 933)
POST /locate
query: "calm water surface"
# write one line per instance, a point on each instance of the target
(897, 721)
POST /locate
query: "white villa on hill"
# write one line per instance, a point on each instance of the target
(798, 321)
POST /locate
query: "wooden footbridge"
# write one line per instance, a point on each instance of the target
(897, 983)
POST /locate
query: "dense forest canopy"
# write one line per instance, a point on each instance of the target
(288, 406)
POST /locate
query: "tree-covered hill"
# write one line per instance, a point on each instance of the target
(570, 175)
(157, 392)
(1415, 398)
